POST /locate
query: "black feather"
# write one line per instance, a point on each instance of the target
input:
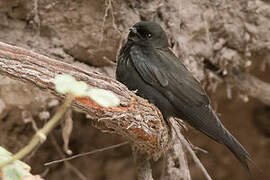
(149, 66)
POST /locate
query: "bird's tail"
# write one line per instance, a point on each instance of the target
(237, 149)
(206, 121)
(232, 144)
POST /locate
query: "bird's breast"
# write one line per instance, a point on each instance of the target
(126, 72)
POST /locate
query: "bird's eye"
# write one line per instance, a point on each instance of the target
(149, 35)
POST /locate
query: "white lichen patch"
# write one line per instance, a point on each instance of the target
(104, 98)
(65, 83)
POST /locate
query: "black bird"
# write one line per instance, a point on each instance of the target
(148, 65)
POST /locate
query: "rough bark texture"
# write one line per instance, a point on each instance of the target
(232, 36)
(138, 121)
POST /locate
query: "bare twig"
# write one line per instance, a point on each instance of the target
(196, 148)
(177, 165)
(36, 17)
(87, 153)
(69, 165)
(109, 7)
(41, 135)
(67, 126)
(194, 156)
(178, 134)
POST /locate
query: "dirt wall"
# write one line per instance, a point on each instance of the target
(88, 33)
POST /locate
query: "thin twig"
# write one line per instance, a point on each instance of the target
(41, 135)
(67, 126)
(177, 165)
(196, 148)
(87, 153)
(68, 164)
(107, 4)
(173, 123)
(194, 156)
(109, 7)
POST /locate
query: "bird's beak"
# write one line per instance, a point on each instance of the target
(133, 29)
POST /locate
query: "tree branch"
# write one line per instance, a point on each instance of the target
(176, 160)
(135, 119)
(143, 166)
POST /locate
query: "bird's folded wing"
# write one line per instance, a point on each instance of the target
(167, 74)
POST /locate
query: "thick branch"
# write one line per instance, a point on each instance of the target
(135, 119)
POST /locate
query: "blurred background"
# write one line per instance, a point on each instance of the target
(226, 44)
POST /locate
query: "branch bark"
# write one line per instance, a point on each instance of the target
(176, 161)
(135, 119)
(144, 171)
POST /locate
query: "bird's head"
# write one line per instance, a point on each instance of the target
(148, 33)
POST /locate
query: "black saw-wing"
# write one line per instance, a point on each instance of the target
(161, 69)
(165, 72)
